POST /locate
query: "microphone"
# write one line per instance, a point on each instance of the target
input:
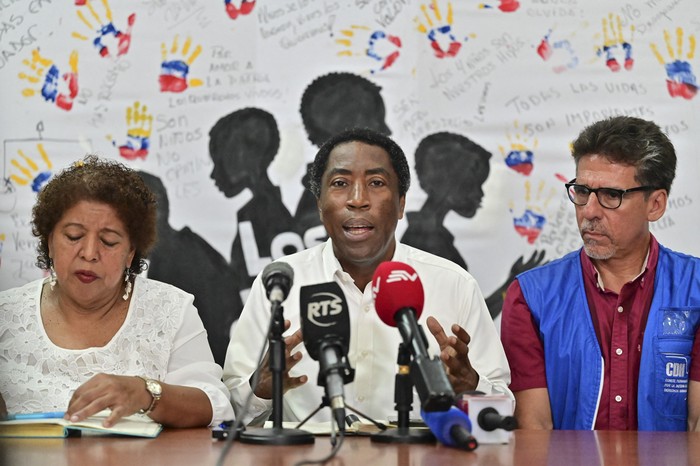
(398, 299)
(277, 277)
(325, 326)
(451, 428)
(491, 416)
(489, 419)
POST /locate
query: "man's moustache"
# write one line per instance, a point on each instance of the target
(591, 227)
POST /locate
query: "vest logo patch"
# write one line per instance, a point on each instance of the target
(676, 373)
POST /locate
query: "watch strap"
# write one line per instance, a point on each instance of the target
(154, 396)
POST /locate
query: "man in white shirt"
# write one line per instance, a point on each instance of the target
(360, 179)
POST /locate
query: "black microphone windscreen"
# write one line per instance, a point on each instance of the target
(324, 317)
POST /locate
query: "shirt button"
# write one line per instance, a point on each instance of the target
(360, 398)
(619, 309)
(618, 398)
(366, 308)
(618, 351)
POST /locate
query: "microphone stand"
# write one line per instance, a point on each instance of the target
(277, 435)
(403, 397)
(325, 402)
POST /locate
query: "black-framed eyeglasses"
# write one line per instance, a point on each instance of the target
(610, 198)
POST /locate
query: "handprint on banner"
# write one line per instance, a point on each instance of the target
(139, 124)
(506, 6)
(377, 45)
(173, 73)
(518, 156)
(439, 30)
(56, 88)
(30, 172)
(106, 34)
(245, 8)
(614, 42)
(2, 243)
(680, 80)
(547, 48)
(530, 224)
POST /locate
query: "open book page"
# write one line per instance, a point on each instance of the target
(135, 425)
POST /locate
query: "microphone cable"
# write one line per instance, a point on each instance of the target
(331, 455)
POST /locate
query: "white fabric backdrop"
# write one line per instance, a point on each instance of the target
(526, 76)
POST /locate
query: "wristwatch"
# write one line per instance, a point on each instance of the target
(155, 389)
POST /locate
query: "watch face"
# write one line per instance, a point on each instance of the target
(154, 387)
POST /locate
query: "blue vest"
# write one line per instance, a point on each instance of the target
(556, 296)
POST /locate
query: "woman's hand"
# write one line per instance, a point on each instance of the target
(123, 395)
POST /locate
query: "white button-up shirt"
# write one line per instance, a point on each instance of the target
(451, 296)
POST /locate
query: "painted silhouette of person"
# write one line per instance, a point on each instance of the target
(242, 145)
(451, 170)
(330, 104)
(184, 259)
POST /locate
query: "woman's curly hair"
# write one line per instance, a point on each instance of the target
(98, 180)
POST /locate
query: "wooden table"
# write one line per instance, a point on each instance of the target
(528, 448)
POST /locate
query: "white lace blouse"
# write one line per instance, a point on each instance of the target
(162, 337)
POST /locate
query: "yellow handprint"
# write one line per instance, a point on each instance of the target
(173, 73)
(530, 224)
(104, 28)
(379, 45)
(613, 41)
(518, 156)
(139, 125)
(680, 78)
(30, 171)
(439, 32)
(351, 48)
(43, 70)
(2, 242)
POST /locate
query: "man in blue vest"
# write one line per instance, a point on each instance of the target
(606, 336)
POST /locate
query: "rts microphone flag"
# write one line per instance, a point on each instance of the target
(325, 326)
(398, 299)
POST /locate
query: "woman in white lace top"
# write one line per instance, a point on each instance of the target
(93, 335)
